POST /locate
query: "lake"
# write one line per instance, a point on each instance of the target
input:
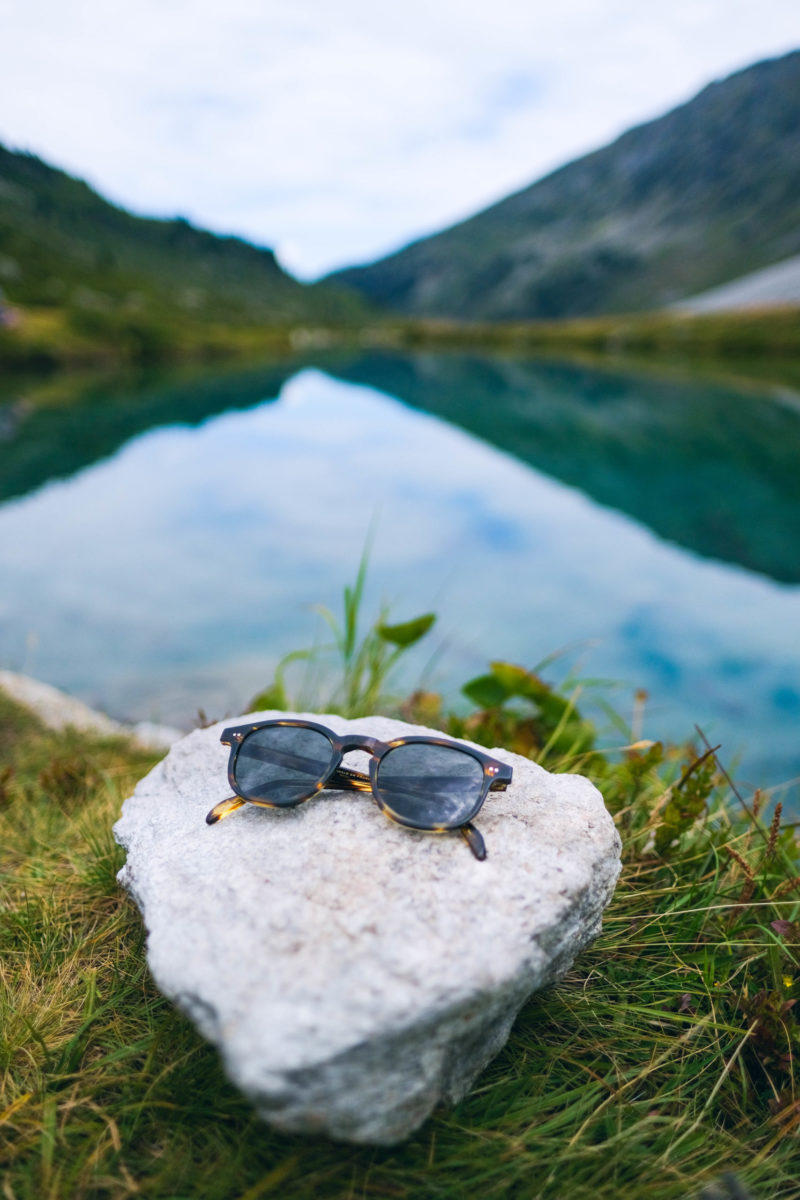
(163, 539)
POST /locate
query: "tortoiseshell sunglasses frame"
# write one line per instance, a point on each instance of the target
(496, 775)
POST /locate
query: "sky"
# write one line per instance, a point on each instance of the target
(336, 133)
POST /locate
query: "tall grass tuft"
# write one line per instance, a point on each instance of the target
(352, 673)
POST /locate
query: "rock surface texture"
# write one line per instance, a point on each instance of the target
(353, 973)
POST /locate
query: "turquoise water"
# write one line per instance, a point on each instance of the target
(162, 542)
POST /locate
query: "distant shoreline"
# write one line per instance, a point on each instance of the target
(43, 339)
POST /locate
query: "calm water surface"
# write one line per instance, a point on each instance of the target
(162, 543)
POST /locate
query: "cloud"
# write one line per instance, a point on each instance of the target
(336, 134)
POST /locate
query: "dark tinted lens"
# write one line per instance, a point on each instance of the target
(430, 785)
(282, 763)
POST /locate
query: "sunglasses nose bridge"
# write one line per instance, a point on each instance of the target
(355, 742)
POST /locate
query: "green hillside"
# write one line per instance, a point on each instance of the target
(686, 202)
(63, 247)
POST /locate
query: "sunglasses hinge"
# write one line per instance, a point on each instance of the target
(230, 736)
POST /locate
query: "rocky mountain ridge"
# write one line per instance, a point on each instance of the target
(684, 203)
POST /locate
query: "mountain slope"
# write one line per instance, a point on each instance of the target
(706, 193)
(62, 244)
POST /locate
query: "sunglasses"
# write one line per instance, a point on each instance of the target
(420, 782)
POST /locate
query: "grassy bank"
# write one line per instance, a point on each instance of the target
(58, 337)
(46, 338)
(665, 1062)
(733, 335)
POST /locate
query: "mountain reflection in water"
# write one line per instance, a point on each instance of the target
(162, 546)
(713, 468)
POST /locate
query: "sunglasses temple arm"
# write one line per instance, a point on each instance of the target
(474, 840)
(224, 809)
(470, 834)
(345, 780)
(342, 780)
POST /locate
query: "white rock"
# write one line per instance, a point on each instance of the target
(55, 708)
(58, 710)
(354, 973)
(152, 735)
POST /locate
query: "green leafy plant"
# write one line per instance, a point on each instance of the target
(363, 664)
(516, 706)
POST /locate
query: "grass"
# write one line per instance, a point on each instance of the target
(664, 1063)
(46, 338)
(735, 336)
(49, 337)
